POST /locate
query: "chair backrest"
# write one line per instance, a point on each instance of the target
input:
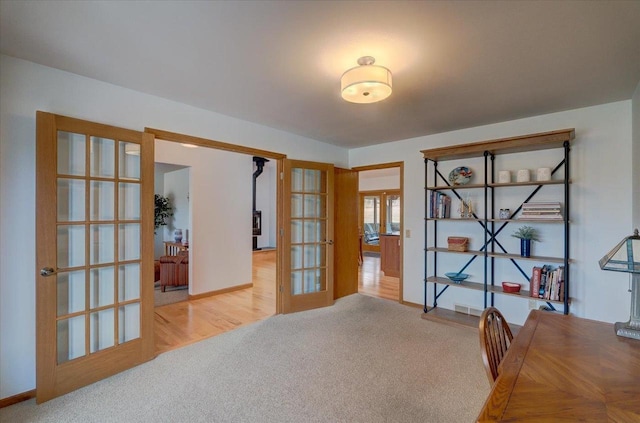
(495, 339)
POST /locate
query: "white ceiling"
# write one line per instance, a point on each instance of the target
(455, 64)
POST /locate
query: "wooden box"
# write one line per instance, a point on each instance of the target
(457, 243)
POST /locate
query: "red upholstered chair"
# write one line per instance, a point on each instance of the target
(174, 270)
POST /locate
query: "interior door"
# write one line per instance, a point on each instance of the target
(94, 284)
(307, 256)
(346, 238)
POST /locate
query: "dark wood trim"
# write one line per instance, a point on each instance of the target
(24, 396)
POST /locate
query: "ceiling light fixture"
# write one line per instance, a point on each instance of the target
(367, 83)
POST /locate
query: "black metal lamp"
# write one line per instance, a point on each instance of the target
(625, 257)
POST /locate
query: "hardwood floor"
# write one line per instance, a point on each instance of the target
(186, 322)
(373, 282)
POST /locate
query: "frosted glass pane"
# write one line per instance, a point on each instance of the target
(129, 160)
(311, 231)
(296, 179)
(71, 153)
(70, 246)
(314, 205)
(129, 201)
(296, 231)
(309, 256)
(321, 255)
(101, 282)
(71, 205)
(310, 281)
(70, 287)
(101, 330)
(296, 205)
(129, 282)
(312, 182)
(102, 244)
(296, 256)
(296, 283)
(70, 339)
(102, 200)
(129, 322)
(102, 157)
(321, 230)
(129, 241)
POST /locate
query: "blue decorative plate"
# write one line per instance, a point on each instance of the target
(460, 175)
(456, 277)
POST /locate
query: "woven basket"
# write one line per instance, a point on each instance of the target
(457, 243)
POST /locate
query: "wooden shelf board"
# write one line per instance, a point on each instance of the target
(464, 284)
(527, 184)
(455, 187)
(519, 144)
(528, 220)
(499, 255)
(444, 250)
(497, 289)
(457, 219)
(533, 258)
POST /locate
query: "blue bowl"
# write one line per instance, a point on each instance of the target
(456, 277)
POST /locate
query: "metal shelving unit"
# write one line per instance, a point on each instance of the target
(492, 249)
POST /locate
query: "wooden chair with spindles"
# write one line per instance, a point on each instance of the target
(495, 339)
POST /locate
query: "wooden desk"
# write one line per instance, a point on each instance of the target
(171, 248)
(564, 368)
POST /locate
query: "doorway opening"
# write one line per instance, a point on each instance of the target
(228, 285)
(381, 227)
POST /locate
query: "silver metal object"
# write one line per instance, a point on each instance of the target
(47, 271)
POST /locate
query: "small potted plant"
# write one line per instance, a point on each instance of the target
(526, 235)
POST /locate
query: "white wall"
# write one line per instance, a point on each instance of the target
(379, 179)
(636, 157)
(219, 189)
(601, 170)
(26, 87)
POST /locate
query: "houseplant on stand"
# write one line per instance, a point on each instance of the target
(526, 235)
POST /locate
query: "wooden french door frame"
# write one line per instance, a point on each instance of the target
(389, 165)
(234, 148)
(307, 235)
(94, 299)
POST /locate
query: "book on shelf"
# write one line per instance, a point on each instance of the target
(440, 205)
(542, 211)
(547, 283)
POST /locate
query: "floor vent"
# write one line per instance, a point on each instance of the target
(465, 309)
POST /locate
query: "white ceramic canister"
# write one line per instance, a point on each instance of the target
(523, 175)
(504, 176)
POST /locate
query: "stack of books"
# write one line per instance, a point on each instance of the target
(542, 211)
(547, 283)
(440, 205)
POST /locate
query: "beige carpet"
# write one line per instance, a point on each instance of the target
(170, 296)
(361, 360)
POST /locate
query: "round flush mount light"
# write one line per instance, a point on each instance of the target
(366, 83)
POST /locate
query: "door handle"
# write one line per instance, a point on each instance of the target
(330, 242)
(47, 271)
